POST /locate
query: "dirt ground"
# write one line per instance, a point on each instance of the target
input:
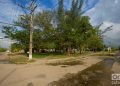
(38, 73)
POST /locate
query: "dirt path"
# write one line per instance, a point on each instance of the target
(3, 55)
(39, 74)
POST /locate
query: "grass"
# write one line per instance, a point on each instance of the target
(44, 55)
(2, 49)
(104, 54)
(48, 55)
(70, 62)
(19, 60)
(23, 59)
(60, 56)
(55, 55)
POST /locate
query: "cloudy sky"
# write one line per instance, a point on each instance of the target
(99, 11)
(108, 13)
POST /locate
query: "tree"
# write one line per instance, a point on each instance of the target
(66, 20)
(95, 43)
(16, 47)
(72, 31)
(42, 32)
(21, 36)
(30, 8)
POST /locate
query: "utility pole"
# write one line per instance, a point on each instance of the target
(31, 37)
(31, 8)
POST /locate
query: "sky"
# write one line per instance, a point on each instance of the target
(99, 11)
(108, 13)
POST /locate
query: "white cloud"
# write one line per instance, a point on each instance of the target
(116, 1)
(8, 12)
(105, 10)
(111, 37)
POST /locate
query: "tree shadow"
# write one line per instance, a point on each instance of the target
(30, 84)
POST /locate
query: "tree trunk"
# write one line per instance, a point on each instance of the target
(80, 50)
(68, 50)
(31, 37)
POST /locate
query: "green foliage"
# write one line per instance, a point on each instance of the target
(95, 43)
(2, 49)
(16, 47)
(48, 55)
(72, 31)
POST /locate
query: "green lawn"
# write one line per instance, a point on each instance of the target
(23, 59)
(48, 55)
(58, 55)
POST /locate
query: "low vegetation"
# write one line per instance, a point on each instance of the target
(96, 75)
(19, 59)
(69, 62)
(104, 54)
(2, 49)
(48, 55)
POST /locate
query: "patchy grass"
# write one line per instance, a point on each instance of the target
(49, 55)
(104, 54)
(2, 49)
(17, 58)
(70, 62)
(20, 60)
(41, 55)
(55, 55)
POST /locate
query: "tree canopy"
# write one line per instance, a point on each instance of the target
(63, 32)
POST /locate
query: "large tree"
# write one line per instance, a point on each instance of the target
(64, 31)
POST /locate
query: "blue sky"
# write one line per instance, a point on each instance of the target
(106, 11)
(10, 11)
(51, 3)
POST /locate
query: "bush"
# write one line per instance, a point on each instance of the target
(20, 60)
(16, 47)
(2, 49)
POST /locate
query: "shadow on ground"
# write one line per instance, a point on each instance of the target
(97, 75)
(30, 84)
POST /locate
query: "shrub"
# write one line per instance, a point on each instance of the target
(2, 49)
(20, 60)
